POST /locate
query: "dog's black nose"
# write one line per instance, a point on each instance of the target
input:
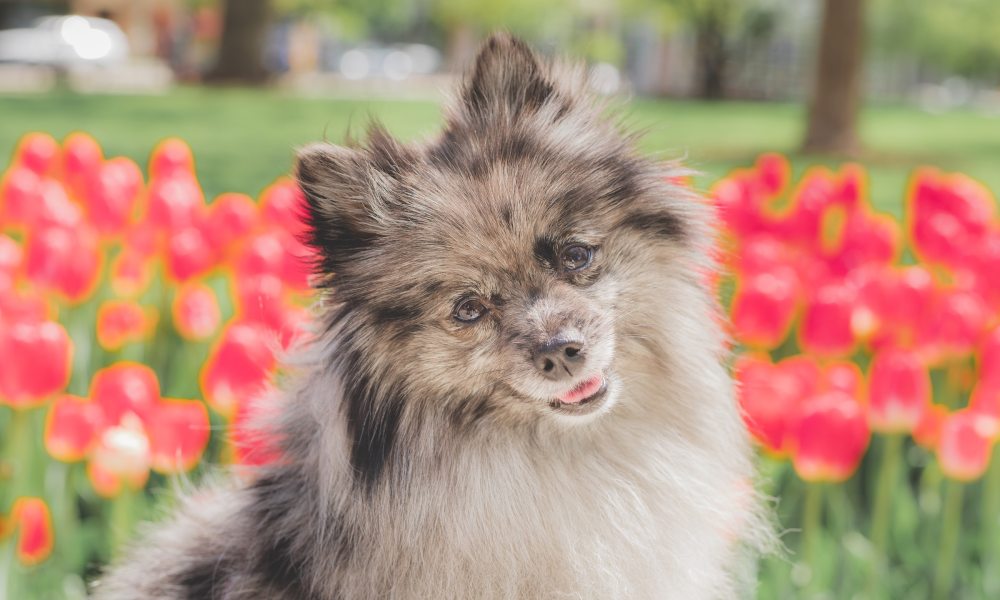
(558, 358)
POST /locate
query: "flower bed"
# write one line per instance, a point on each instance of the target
(137, 322)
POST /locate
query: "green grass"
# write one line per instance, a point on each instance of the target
(243, 138)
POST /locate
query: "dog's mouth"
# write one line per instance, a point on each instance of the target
(584, 398)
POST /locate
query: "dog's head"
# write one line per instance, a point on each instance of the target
(496, 273)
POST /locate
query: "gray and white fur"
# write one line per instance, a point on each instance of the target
(466, 284)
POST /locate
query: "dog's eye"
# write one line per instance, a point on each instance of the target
(576, 257)
(469, 310)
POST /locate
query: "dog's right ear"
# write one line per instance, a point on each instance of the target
(340, 211)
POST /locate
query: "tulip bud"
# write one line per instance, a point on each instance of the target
(830, 439)
(36, 362)
(38, 152)
(965, 445)
(827, 324)
(238, 367)
(33, 522)
(178, 434)
(764, 306)
(171, 157)
(899, 391)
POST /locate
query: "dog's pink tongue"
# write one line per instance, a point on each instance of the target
(583, 390)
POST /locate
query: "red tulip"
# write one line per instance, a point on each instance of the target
(261, 300)
(55, 208)
(764, 306)
(64, 261)
(870, 285)
(231, 217)
(120, 322)
(866, 239)
(71, 428)
(760, 253)
(125, 429)
(254, 441)
(20, 194)
(960, 323)
(178, 434)
(125, 388)
(171, 157)
(927, 433)
(196, 311)
(985, 400)
(773, 172)
(934, 237)
(771, 395)
(830, 438)
(82, 157)
(141, 239)
(950, 216)
(907, 305)
(120, 458)
(828, 322)
(238, 367)
(852, 187)
(816, 192)
(982, 268)
(965, 445)
(112, 194)
(989, 358)
(845, 377)
(130, 273)
(36, 362)
(283, 204)
(38, 152)
(971, 202)
(31, 519)
(23, 306)
(738, 206)
(262, 254)
(899, 391)
(189, 254)
(175, 202)
(298, 265)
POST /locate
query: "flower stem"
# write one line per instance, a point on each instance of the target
(812, 517)
(885, 486)
(122, 518)
(13, 458)
(991, 525)
(948, 543)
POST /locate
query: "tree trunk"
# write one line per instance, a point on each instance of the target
(833, 109)
(241, 49)
(710, 44)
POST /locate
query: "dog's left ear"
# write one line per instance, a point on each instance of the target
(507, 80)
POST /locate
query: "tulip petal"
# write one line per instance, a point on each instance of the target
(125, 388)
(965, 446)
(71, 428)
(830, 439)
(35, 537)
(178, 434)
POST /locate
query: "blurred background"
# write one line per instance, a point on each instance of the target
(149, 264)
(270, 74)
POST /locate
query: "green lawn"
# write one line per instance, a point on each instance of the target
(244, 138)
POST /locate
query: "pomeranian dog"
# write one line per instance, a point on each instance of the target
(517, 387)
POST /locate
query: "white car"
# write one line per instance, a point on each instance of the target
(65, 42)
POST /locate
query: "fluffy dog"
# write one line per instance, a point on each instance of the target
(517, 388)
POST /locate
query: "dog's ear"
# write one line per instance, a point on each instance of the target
(350, 193)
(506, 80)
